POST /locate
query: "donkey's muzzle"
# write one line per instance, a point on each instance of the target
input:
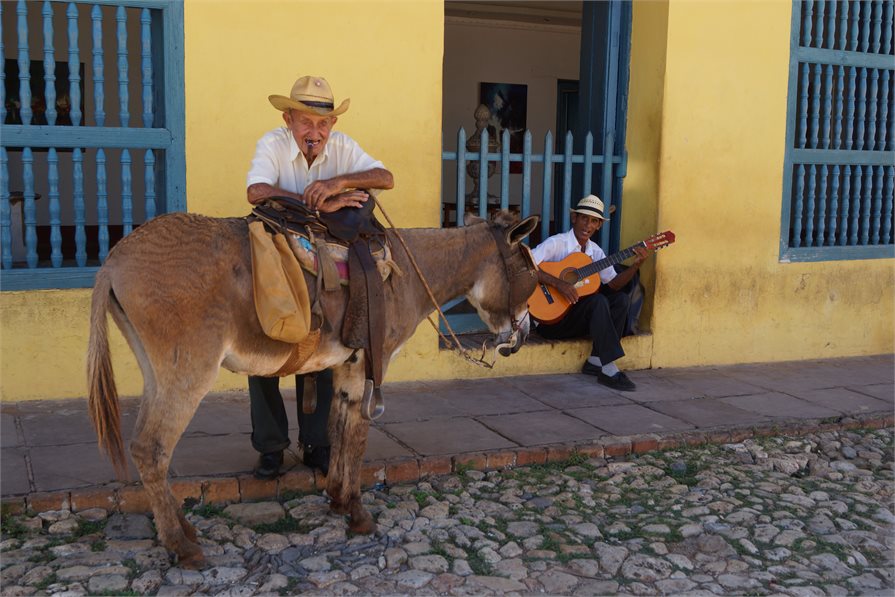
(508, 345)
(506, 350)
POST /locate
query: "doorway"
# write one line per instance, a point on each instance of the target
(572, 61)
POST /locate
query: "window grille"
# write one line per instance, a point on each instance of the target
(840, 158)
(613, 164)
(92, 144)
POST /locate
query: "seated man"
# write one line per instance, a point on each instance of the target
(600, 316)
(308, 161)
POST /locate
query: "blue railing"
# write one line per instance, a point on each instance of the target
(611, 170)
(839, 180)
(75, 191)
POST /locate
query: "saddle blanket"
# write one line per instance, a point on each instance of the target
(307, 257)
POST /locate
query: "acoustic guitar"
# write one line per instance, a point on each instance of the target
(548, 305)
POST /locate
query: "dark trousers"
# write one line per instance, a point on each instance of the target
(270, 425)
(601, 317)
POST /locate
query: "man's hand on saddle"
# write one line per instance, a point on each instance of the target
(352, 198)
(319, 191)
(329, 195)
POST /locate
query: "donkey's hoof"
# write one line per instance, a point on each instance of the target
(190, 556)
(339, 508)
(363, 525)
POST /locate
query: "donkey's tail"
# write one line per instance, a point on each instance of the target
(102, 394)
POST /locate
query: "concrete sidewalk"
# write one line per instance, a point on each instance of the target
(50, 457)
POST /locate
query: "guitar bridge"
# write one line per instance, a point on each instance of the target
(547, 294)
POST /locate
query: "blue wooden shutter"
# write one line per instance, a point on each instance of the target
(840, 136)
(73, 145)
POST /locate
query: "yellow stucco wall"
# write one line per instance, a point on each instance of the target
(644, 135)
(385, 56)
(713, 149)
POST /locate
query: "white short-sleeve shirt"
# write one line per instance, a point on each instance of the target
(560, 246)
(279, 162)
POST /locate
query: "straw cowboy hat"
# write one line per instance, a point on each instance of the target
(310, 94)
(592, 206)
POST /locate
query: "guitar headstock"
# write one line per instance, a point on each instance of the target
(659, 241)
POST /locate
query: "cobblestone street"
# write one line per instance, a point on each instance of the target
(810, 515)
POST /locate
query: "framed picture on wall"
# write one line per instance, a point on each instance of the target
(508, 105)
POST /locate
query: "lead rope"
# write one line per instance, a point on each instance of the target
(457, 347)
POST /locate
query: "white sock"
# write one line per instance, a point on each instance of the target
(595, 361)
(610, 369)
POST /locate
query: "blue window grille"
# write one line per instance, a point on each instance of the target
(612, 164)
(92, 123)
(840, 138)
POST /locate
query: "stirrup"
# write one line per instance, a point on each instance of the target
(372, 405)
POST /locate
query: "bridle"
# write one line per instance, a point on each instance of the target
(515, 264)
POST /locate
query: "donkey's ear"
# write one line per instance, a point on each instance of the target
(516, 233)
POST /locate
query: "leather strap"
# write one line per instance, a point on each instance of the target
(373, 404)
(376, 314)
(309, 396)
(515, 264)
(325, 264)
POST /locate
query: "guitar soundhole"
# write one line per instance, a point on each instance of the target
(569, 276)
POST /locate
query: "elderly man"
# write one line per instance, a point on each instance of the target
(600, 316)
(308, 161)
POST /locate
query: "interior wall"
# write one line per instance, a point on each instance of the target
(500, 52)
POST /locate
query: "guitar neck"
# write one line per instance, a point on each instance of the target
(596, 266)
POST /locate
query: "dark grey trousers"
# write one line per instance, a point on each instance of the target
(601, 317)
(270, 425)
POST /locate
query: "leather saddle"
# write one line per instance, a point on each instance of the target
(363, 327)
(346, 225)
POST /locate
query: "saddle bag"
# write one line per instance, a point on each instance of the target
(281, 295)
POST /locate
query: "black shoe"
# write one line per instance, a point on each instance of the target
(316, 457)
(590, 369)
(619, 382)
(269, 465)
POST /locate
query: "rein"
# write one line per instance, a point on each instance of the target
(456, 346)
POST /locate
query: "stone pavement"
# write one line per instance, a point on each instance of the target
(50, 458)
(802, 516)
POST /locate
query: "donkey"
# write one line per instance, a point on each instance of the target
(180, 290)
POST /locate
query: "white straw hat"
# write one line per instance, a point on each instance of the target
(310, 94)
(590, 206)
